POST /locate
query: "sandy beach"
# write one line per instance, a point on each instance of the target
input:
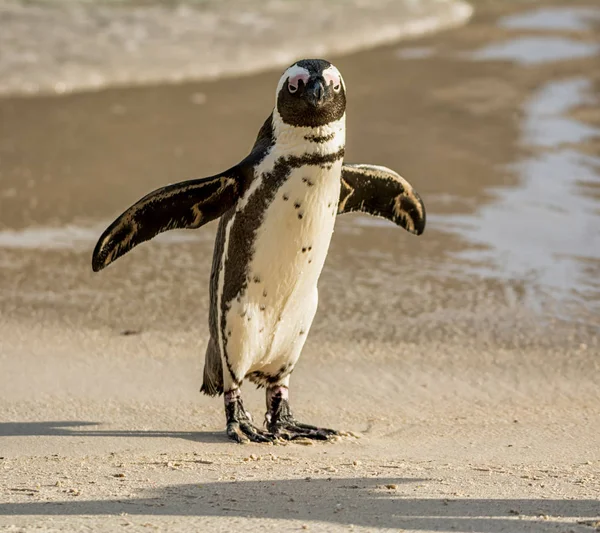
(467, 360)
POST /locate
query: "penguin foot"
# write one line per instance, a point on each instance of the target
(281, 422)
(291, 429)
(244, 432)
(240, 428)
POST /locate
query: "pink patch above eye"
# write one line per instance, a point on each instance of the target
(293, 80)
(331, 76)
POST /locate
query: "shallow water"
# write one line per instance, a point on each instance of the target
(64, 46)
(534, 50)
(546, 229)
(571, 18)
(73, 237)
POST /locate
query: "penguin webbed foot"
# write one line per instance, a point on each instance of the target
(282, 424)
(240, 428)
(291, 429)
(243, 432)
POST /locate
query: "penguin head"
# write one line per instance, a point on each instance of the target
(311, 93)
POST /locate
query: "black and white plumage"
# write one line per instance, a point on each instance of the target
(277, 211)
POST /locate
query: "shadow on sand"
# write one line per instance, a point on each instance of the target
(359, 501)
(71, 429)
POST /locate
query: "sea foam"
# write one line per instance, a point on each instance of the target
(61, 46)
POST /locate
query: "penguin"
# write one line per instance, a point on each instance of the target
(277, 211)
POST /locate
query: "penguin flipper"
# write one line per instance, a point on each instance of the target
(188, 204)
(381, 192)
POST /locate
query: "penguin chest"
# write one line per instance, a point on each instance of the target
(272, 315)
(292, 243)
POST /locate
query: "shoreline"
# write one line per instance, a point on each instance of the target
(150, 45)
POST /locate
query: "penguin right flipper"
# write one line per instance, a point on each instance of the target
(381, 192)
(188, 204)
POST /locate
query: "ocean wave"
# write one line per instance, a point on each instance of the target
(61, 46)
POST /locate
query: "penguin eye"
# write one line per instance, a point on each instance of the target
(292, 88)
(336, 88)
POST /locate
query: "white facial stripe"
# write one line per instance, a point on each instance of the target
(293, 72)
(302, 76)
(332, 74)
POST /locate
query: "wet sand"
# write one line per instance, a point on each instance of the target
(468, 358)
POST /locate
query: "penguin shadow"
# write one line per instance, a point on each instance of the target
(366, 502)
(72, 428)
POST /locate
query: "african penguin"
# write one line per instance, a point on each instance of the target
(277, 210)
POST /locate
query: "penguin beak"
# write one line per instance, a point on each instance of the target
(315, 92)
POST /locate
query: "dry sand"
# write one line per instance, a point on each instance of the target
(475, 391)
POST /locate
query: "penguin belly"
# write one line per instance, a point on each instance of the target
(267, 323)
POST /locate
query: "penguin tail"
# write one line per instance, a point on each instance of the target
(213, 371)
(211, 388)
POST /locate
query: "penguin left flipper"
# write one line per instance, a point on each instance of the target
(381, 192)
(188, 204)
